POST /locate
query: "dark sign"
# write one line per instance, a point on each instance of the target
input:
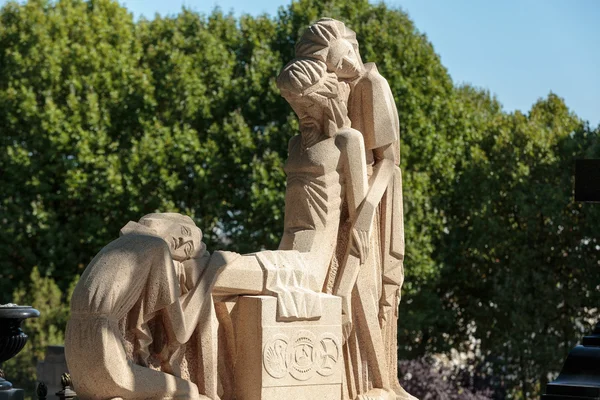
(587, 180)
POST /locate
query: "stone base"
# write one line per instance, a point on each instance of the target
(300, 360)
(12, 394)
(52, 367)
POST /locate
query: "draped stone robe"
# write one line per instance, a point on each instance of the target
(372, 111)
(132, 278)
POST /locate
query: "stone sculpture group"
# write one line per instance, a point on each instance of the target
(156, 316)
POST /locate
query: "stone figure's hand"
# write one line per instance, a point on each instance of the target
(199, 252)
(346, 326)
(360, 244)
(194, 268)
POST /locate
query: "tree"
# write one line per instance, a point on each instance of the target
(71, 91)
(520, 256)
(104, 119)
(107, 119)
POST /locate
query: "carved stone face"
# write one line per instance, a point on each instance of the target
(343, 60)
(319, 114)
(311, 114)
(185, 241)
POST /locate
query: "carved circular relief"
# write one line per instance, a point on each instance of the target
(275, 356)
(328, 354)
(303, 355)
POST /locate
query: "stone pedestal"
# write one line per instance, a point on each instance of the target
(12, 394)
(12, 341)
(300, 360)
(52, 367)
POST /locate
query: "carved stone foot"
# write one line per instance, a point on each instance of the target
(402, 394)
(377, 394)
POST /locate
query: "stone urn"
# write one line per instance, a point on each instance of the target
(12, 338)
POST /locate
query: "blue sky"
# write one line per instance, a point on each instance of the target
(520, 50)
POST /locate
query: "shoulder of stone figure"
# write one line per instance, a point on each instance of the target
(348, 136)
(133, 244)
(127, 250)
(144, 241)
(371, 69)
(374, 79)
(374, 88)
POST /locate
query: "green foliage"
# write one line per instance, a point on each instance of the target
(520, 256)
(103, 119)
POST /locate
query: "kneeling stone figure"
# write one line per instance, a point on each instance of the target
(139, 278)
(152, 289)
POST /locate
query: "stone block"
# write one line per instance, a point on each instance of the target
(52, 367)
(295, 359)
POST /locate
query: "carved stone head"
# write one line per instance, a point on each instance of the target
(331, 42)
(180, 232)
(316, 96)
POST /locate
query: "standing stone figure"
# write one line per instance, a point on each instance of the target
(326, 168)
(372, 111)
(326, 177)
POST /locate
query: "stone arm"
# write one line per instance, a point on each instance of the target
(243, 276)
(282, 273)
(382, 174)
(387, 152)
(351, 145)
(183, 316)
(352, 148)
(373, 112)
(391, 150)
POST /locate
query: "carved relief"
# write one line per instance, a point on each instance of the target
(275, 356)
(303, 356)
(302, 353)
(328, 354)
